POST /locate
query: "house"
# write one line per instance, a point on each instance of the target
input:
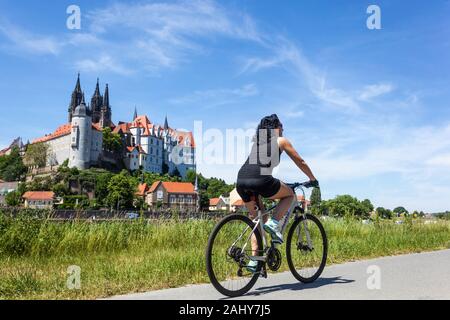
(39, 199)
(142, 190)
(5, 188)
(135, 158)
(221, 203)
(302, 201)
(181, 195)
(238, 206)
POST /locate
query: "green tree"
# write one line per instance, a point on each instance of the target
(400, 210)
(101, 187)
(13, 199)
(190, 176)
(367, 206)
(316, 197)
(384, 213)
(121, 191)
(36, 155)
(346, 205)
(12, 167)
(40, 184)
(111, 141)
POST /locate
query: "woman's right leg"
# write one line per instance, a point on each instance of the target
(286, 196)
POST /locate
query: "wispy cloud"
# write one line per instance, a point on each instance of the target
(375, 90)
(24, 41)
(103, 63)
(218, 97)
(165, 34)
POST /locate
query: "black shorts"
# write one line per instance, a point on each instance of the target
(266, 186)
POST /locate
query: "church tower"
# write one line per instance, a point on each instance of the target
(105, 115)
(75, 101)
(96, 104)
(81, 137)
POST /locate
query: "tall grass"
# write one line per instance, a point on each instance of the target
(122, 257)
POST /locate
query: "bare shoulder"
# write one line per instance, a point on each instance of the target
(283, 142)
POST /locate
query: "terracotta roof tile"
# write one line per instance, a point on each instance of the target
(61, 131)
(142, 188)
(174, 187)
(238, 203)
(214, 201)
(39, 195)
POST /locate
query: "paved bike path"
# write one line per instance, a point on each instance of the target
(412, 276)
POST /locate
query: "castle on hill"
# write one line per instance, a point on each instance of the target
(145, 145)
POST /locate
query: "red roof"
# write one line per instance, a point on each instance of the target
(62, 131)
(138, 148)
(39, 195)
(142, 188)
(142, 122)
(184, 138)
(238, 203)
(214, 201)
(174, 187)
(122, 127)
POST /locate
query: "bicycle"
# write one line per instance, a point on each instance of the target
(226, 259)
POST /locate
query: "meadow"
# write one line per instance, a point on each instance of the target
(133, 256)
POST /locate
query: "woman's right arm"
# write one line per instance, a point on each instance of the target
(287, 146)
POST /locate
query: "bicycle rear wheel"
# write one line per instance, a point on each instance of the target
(227, 254)
(307, 259)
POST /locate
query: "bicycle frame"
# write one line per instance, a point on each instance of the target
(259, 222)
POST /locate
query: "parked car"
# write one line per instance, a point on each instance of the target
(132, 215)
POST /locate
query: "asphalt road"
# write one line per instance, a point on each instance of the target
(412, 276)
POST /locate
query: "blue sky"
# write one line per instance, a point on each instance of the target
(368, 109)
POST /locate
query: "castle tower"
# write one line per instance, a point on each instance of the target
(135, 113)
(166, 124)
(96, 104)
(105, 115)
(76, 98)
(81, 137)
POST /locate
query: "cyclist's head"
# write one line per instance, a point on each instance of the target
(268, 126)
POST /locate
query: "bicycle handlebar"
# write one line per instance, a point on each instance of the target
(306, 184)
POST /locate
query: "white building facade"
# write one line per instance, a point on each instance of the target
(146, 146)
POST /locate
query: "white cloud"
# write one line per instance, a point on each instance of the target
(165, 34)
(218, 97)
(373, 91)
(30, 43)
(440, 160)
(103, 63)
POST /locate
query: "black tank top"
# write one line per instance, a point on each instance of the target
(261, 161)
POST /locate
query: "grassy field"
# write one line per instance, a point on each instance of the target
(123, 257)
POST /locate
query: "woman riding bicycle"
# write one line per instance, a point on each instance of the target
(255, 177)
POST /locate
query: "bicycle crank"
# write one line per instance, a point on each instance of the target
(274, 259)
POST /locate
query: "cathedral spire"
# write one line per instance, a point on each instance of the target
(97, 89)
(135, 113)
(166, 124)
(76, 98)
(78, 85)
(106, 97)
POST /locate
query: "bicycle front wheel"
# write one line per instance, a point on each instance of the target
(306, 248)
(228, 252)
